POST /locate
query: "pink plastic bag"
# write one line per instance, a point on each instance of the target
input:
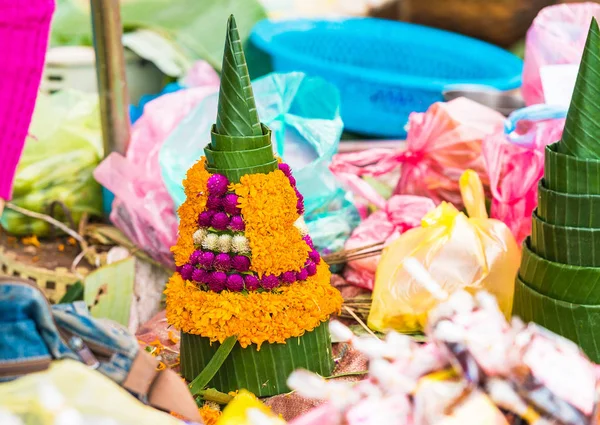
(557, 36)
(400, 213)
(515, 166)
(442, 143)
(143, 209)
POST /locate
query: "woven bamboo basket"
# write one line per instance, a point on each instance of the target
(54, 283)
(502, 22)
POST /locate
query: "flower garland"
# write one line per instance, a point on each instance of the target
(255, 317)
(268, 203)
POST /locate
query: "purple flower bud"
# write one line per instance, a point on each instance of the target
(292, 180)
(237, 223)
(269, 282)
(205, 218)
(217, 184)
(217, 281)
(220, 221)
(178, 269)
(285, 169)
(241, 263)
(235, 283)
(186, 271)
(207, 259)
(314, 256)
(308, 241)
(199, 276)
(214, 202)
(252, 282)
(230, 204)
(195, 257)
(311, 268)
(288, 277)
(302, 274)
(300, 207)
(222, 262)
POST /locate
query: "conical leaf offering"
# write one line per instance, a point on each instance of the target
(251, 295)
(237, 115)
(581, 136)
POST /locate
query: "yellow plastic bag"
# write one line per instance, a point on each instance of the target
(460, 252)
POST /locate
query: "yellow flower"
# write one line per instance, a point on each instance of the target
(268, 204)
(256, 317)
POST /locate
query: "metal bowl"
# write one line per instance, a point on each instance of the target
(503, 102)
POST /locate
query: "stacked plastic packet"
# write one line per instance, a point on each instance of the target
(477, 368)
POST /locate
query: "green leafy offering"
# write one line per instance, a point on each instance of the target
(581, 136)
(237, 115)
(569, 174)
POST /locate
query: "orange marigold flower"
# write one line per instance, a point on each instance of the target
(268, 204)
(255, 317)
(210, 415)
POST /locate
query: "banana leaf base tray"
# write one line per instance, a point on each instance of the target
(263, 372)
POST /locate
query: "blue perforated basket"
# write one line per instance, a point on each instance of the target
(384, 69)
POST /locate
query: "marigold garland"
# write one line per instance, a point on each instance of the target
(210, 414)
(255, 317)
(268, 204)
(196, 196)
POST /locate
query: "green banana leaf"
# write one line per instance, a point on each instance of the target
(236, 114)
(235, 174)
(565, 209)
(196, 26)
(568, 174)
(566, 245)
(262, 372)
(242, 159)
(581, 135)
(578, 322)
(223, 142)
(560, 281)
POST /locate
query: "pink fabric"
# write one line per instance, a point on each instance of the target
(514, 173)
(557, 36)
(442, 143)
(400, 213)
(143, 208)
(24, 29)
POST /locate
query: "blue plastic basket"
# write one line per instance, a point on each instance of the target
(384, 69)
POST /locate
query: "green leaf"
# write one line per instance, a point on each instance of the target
(213, 366)
(581, 135)
(568, 174)
(567, 245)
(560, 281)
(566, 209)
(263, 372)
(223, 142)
(577, 322)
(244, 159)
(236, 114)
(74, 293)
(108, 291)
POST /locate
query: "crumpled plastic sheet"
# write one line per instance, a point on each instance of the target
(400, 213)
(557, 36)
(441, 144)
(515, 170)
(143, 209)
(303, 114)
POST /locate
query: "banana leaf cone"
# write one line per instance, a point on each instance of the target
(241, 145)
(559, 279)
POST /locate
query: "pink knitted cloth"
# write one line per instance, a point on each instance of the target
(24, 28)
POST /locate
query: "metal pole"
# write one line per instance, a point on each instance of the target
(110, 70)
